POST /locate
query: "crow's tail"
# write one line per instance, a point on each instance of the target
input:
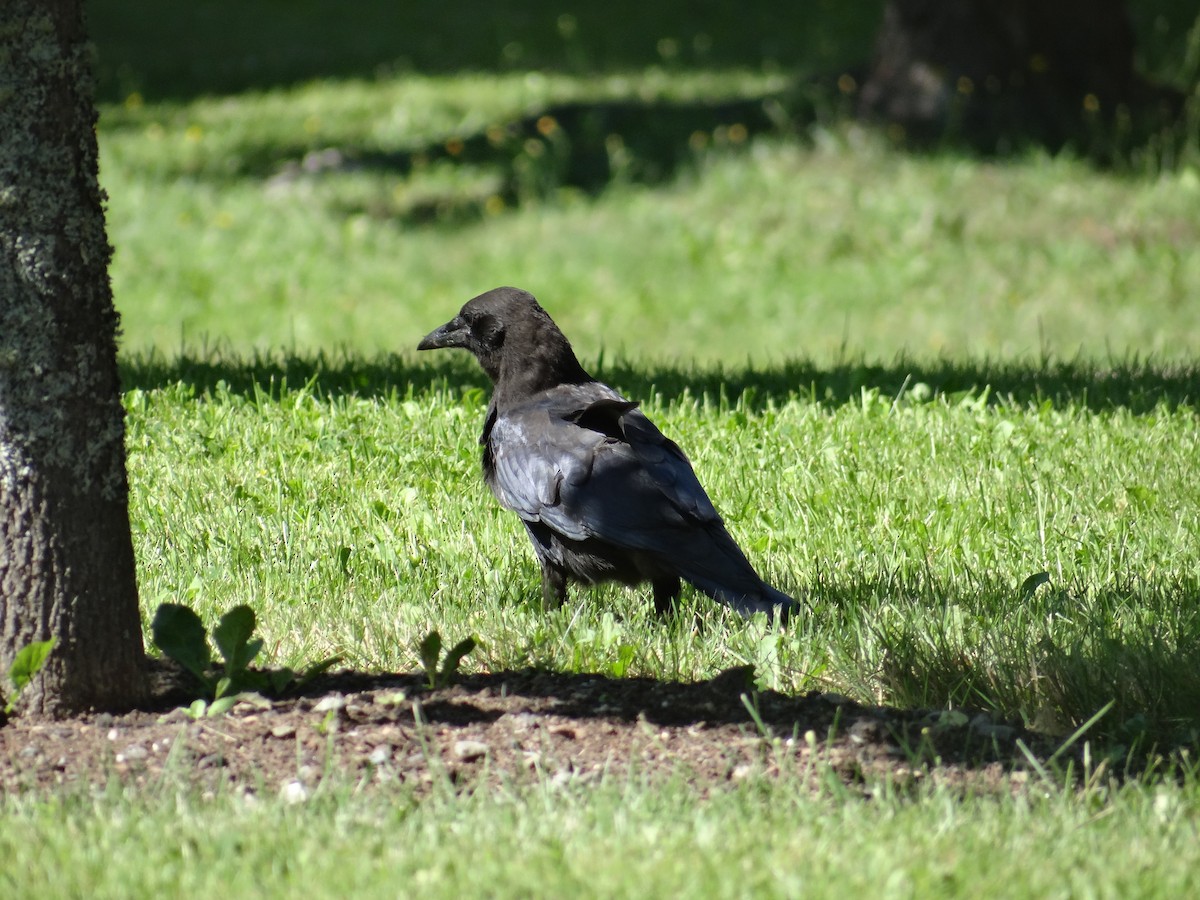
(719, 568)
(761, 598)
(769, 600)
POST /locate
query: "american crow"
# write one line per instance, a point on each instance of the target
(604, 495)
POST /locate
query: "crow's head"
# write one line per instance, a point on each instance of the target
(513, 338)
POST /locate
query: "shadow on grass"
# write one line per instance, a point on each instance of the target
(576, 146)
(1119, 662)
(219, 47)
(180, 51)
(704, 710)
(1134, 385)
(1114, 667)
(580, 145)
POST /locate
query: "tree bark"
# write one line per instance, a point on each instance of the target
(66, 554)
(997, 72)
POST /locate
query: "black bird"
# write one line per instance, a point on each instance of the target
(604, 495)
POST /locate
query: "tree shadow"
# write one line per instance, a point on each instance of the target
(179, 52)
(579, 146)
(918, 735)
(1025, 690)
(1132, 690)
(170, 52)
(212, 47)
(1116, 659)
(583, 146)
(1137, 386)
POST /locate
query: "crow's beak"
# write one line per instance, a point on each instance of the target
(453, 334)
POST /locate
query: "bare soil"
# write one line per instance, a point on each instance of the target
(386, 728)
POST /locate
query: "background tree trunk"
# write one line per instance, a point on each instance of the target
(995, 72)
(66, 556)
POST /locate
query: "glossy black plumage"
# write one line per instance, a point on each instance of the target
(604, 495)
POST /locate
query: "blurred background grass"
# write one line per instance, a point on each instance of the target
(181, 51)
(677, 181)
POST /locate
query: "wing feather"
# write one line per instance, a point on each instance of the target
(584, 461)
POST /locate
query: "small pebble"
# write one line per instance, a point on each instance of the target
(469, 751)
(864, 731)
(394, 698)
(293, 792)
(332, 702)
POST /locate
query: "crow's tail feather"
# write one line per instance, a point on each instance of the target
(764, 599)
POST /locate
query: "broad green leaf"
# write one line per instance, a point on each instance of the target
(178, 632)
(430, 649)
(222, 705)
(454, 659)
(232, 636)
(279, 680)
(28, 662)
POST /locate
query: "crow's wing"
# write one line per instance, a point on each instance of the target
(582, 460)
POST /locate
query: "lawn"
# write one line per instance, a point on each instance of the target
(949, 403)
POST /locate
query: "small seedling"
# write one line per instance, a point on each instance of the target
(620, 666)
(430, 650)
(27, 663)
(178, 632)
(200, 708)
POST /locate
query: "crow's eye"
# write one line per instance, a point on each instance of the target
(488, 330)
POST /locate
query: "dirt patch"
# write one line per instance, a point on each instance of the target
(517, 725)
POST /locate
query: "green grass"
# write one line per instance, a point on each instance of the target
(909, 382)
(754, 840)
(770, 246)
(350, 512)
(777, 252)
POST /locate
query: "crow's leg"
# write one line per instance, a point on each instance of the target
(554, 586)
(666, 592)
(549, 557)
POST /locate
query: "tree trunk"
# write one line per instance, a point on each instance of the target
(66, 555)
(997, 72)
